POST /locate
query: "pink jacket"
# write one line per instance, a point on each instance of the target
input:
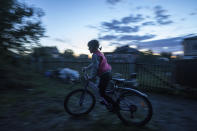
(103, 65)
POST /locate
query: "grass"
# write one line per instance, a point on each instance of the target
(20, 84)
(39, 100)
(54, 109)
(43, 97)
(49, 90)
(26, 113)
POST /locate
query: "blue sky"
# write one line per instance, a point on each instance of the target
(159, 25)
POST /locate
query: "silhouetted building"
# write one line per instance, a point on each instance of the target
(122, 54)
(126, 50)
(190, 48)
(47, 51)
(83, 56)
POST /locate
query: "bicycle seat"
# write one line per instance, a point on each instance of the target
(118, 80)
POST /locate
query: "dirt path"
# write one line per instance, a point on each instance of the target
(174, 113)
(41, 113)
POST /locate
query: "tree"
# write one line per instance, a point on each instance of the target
(147, 57)
(148, 52)
(166, 54)
(68, 53)
(20, 26)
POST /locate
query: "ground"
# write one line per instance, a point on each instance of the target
(38, 109)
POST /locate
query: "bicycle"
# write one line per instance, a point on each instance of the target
(130, 102)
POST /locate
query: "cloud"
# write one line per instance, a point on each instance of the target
(132, 19)
(111, 25)
(193, 13)
(115, 26)
(165, 49)
(148, 23)
(135, 37)
(108, 37)
(124, 38)
(165, 45)
(115, 43)
(59, 40)
(92, 26)
(162, 45)
(113, 2)
(124, 30)
(62, 40)
(139, 7)
(127, 29)
(122, 26)
(130, 23)
(162, 42)
(161, 16)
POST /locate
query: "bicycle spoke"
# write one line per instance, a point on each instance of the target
(82, 97)
(133, 108)
(79, 102)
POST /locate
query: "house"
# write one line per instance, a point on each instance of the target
(47, 51)
(126, 50)
(83, 56)
(122, 54)
(190, 48)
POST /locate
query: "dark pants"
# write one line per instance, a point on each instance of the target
(104, 81)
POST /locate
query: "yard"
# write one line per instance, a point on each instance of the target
(41, 108)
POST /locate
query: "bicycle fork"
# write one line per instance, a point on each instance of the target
(82, 97)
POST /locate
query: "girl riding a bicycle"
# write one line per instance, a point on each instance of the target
(130, 105)
(100, 67)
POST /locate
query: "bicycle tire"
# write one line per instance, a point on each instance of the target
(147, 117)
(71, 94)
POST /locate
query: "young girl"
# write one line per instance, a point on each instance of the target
(102, 69)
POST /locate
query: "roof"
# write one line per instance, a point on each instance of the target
(49, 49)
(125, 50)
(191, 38)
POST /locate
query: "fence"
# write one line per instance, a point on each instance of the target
(118, 67)
(156, 75)
(148, 75)
(186, 72)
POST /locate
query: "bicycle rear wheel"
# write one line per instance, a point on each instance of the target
(79, 102)
(134, 109)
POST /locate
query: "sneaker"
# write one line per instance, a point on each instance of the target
(108, 105)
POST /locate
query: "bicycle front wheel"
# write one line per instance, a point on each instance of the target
(79, 102)
(134, 109)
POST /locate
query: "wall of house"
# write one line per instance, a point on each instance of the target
(124, 59)
(186, 72)
(190, 47)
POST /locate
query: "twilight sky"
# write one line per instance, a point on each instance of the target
(159, 25)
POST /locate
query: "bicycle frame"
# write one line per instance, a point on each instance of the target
(115, 87)
(134, 90)
(88, 83)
